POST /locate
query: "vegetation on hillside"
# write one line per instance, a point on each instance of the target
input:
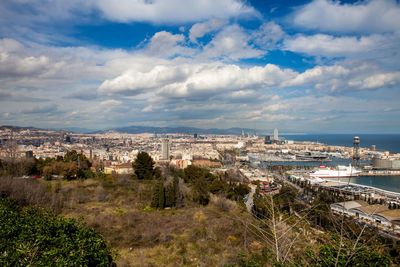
(33, 237)
(162, 216)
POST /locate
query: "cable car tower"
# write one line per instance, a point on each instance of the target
(356, 152)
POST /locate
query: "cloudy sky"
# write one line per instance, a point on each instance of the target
(316, 66)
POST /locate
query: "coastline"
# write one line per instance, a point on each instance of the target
(376, 189)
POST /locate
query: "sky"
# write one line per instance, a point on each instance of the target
(316, 66)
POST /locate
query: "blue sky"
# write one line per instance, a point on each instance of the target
(311, 66)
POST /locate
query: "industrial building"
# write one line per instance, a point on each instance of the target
(385, 164)
(376, 214)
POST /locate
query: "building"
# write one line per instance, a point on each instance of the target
(180, 163)
(267, 140)
(276, 134)
(378, 215)
(165, 146)
(124, 168)
(385, 164)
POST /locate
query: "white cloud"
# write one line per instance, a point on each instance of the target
(198, 30)
(197, 79)
(231, 43)
(375, 16)
(268, 35)
(10, 45)
(329, 46)
(11, 65)
(165, 44)
(381, 80)
(134, 82)
(350, 76)
(110, 102)
(171, 11)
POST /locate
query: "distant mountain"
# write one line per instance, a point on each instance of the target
(182, 130)
(66, 129)
(151, 129)
(76, 130)
(17, 128)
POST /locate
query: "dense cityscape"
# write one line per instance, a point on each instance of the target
(235, 133)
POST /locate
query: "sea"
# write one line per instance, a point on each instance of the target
(383, 142)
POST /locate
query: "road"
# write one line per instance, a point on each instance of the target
(249, 203)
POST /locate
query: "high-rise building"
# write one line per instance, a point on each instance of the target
(165, 149)
(276, 134)
(195, 136)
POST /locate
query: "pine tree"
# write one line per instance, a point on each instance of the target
(170, 195)
(200, 192)
(143, 166)
(161, 198)
(178, 193)
(158, 200)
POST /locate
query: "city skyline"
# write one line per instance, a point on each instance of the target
(317, 66)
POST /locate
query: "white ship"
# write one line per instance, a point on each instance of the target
(332, 172)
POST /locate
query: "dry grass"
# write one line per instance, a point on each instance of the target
(192, 236)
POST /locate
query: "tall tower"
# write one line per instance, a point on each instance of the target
(165, 149)
(276, 135)
(356, 152)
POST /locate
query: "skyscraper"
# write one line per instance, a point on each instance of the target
(165, 149)
(276, 136)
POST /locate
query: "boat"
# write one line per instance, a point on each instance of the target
(335, 172)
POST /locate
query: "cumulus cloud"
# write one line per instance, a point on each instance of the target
(330, 46)
(196, 79)
(8, 45)
(135, 82)
(375, 16)
(350, 76)
(171, 11)
(198, 30)
(126, 11)
(13, 63)
(231, 43)
(378, 80)
(165, 44)
(268, 35)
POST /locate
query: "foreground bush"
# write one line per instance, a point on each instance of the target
(38, 238)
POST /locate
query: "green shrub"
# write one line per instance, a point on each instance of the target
(34, 237)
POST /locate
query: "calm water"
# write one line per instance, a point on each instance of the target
(389, 142)
(389, 183)
(332, 163)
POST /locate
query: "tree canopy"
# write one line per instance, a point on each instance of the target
(144, 166)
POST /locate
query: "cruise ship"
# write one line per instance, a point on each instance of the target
(332, 172)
